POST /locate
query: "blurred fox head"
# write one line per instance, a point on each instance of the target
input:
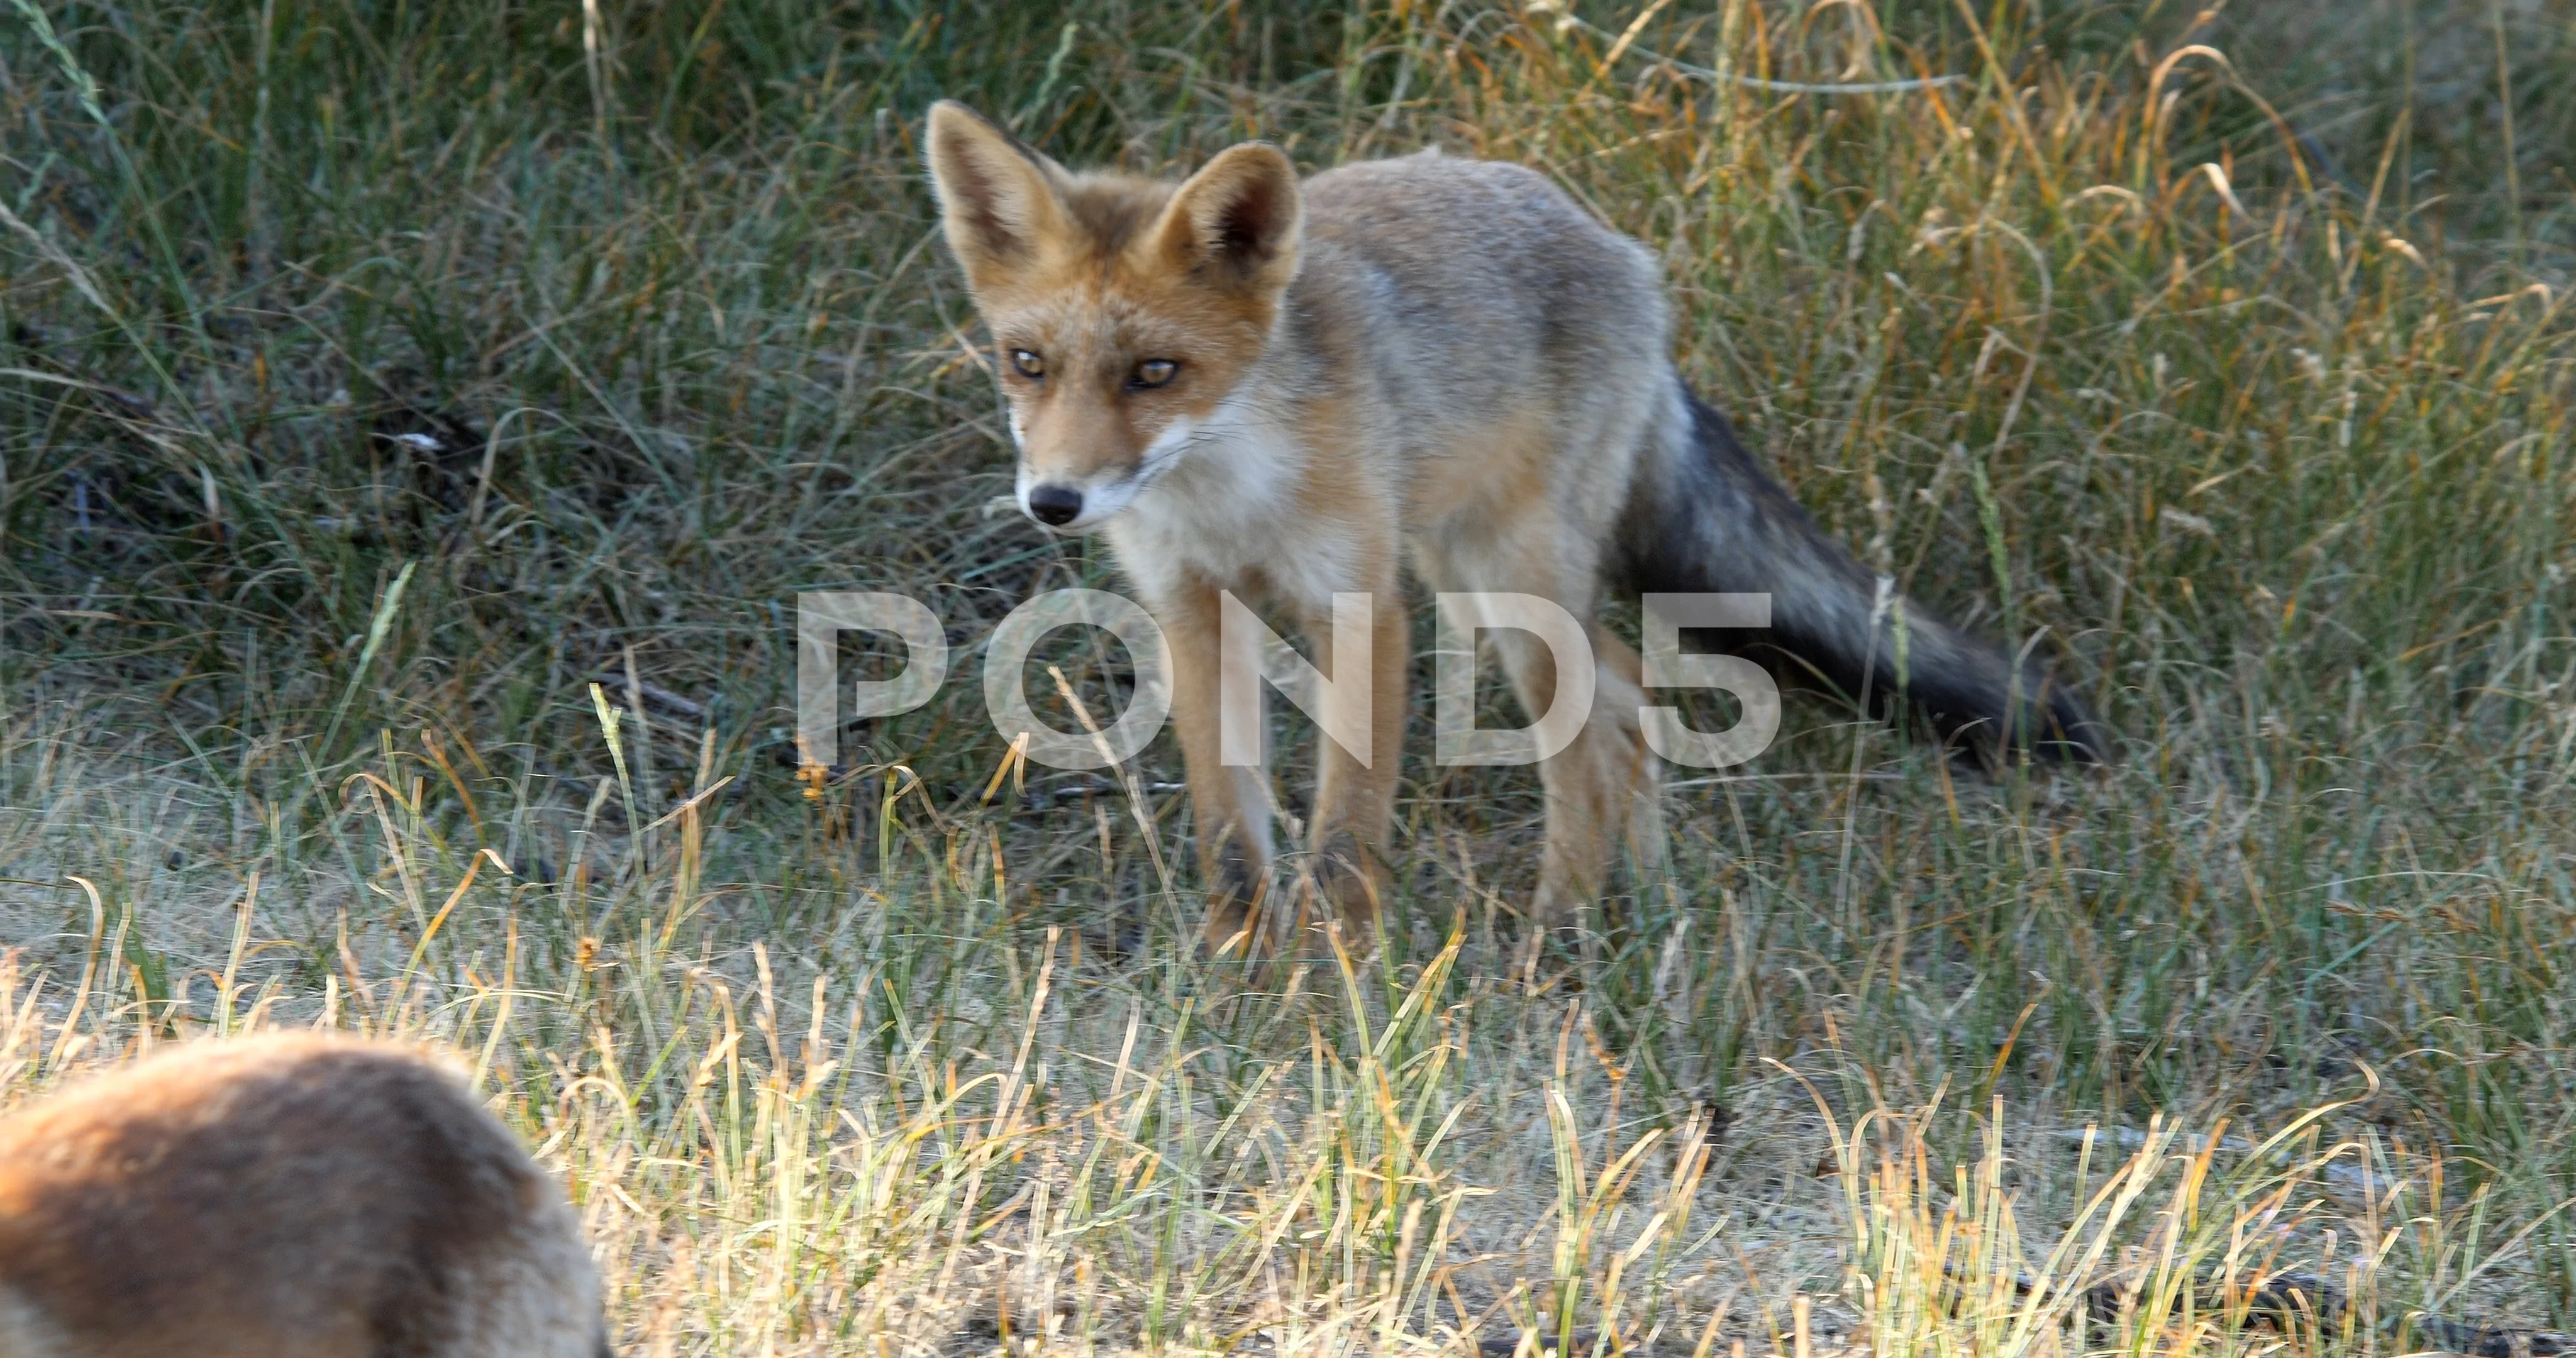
(1122, 309)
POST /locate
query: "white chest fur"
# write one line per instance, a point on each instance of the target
(1233, 509)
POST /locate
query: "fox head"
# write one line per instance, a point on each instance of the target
(1122, 310)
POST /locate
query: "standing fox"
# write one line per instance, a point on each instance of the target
(1288, 391)
(284, 1197)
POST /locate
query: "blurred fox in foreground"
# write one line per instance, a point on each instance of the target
(1287, 391)
(284, 1197)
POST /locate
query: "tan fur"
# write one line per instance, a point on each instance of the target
(283, 1197)
(1356, 424)
(1428, 363)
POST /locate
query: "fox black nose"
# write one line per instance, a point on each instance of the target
(1055, 505)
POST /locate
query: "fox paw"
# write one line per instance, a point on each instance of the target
(1233, 906)
(1350, 883)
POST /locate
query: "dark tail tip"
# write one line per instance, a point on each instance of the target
(1978, 700)
(1970, 699)
(2068, 731)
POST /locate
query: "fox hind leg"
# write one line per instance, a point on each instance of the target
(1619, 696)
(1601, 789)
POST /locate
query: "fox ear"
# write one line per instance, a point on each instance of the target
(998, 198)
(1236, 221)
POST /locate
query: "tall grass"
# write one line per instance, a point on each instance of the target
(381, 379)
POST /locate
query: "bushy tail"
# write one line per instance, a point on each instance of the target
(1704, 518)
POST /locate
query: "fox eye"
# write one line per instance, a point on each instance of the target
(1027, 363)
(1154, 372)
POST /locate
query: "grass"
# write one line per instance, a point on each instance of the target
(378, 379)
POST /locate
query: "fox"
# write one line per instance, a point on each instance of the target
(284, 1196)
(1283, 389)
